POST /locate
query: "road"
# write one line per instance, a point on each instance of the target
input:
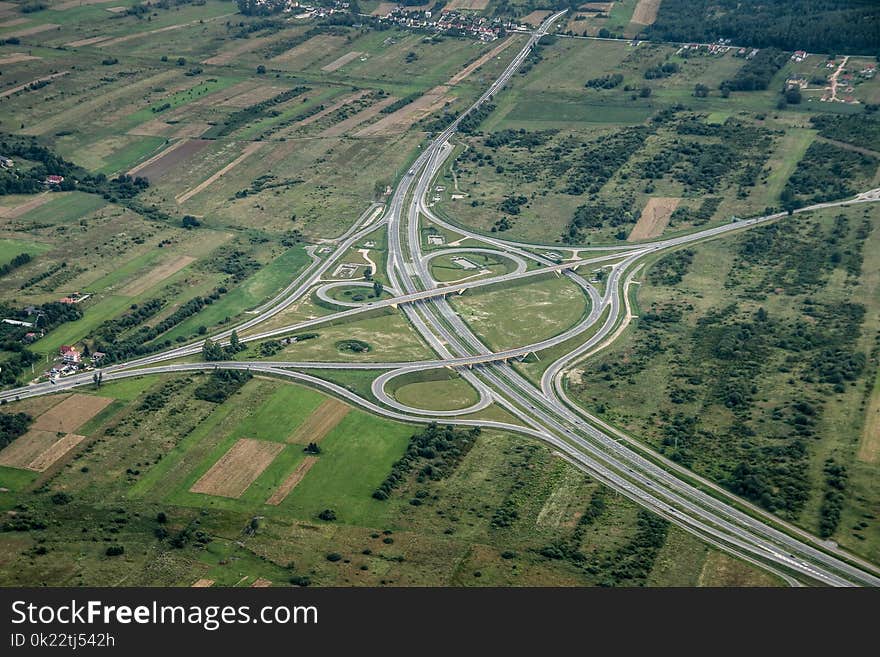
(543, 412)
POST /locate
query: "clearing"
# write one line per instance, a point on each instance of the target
(654, 219)
(302, 469)
(646, 12)
(238, 468)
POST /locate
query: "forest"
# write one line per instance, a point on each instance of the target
(813, 25)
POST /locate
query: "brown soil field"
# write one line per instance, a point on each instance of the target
(243, 46)
(477, 63)
(17, 57)
(37, 450)
(305, 54)
(344, 126)
(646, 12)
(116, 10)
(249, 150)
(56, 451)
(161, 163)
(156, 275)
(869, 448)
(339, 62)
(536, 17)
(18, 210)
(14, 21)
(72, 413)
(302, 469)
(28, 31)
(261, 583)
(403, 118)
(9, 92)
(383, 9)
(655, 217)
(87, 42)
(477, 5)
(238, 468)
(321, 422)
(202, 583)
(22, 451)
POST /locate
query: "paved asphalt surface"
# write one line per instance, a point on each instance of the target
(545, 413)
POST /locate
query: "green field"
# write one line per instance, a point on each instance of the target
(554, 304)
(9, 248)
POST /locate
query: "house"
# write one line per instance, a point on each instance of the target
(798, 56)
(53, 180)
(98, 356)
(29, 337)
(5, 162)
(69, 354)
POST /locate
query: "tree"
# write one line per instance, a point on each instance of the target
(378, 288)
(793, 95)
(368, 273)
(261, 70)
(701, 90)
(211, 350)
(234, 344)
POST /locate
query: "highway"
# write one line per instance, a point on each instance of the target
(544, 411)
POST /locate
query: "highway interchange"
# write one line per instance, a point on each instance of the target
(543, 412)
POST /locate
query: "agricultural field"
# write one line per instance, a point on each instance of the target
(136, 475)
